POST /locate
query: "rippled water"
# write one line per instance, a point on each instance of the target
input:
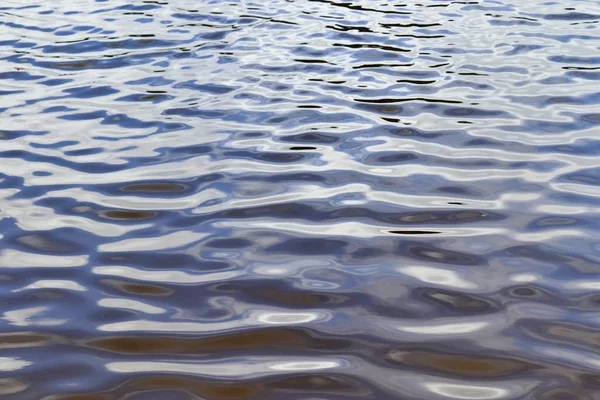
(309, 199)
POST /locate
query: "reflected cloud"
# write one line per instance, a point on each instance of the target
(17, 259)
(227, 368)
(445, 329)
(523, 278)
(354, 229)
(32, 217)
(437, 276)
(13, 364)
(272, 318)
(305, 366)
(165, 326)
(21, 317)
(164, 276)
(140, 203)
(255, 318)
(30, 317)
(54, 284)
(467, 392)
(131, 305)
(583, 285)
(172, 240)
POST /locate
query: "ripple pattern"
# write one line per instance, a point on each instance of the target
(299, 199)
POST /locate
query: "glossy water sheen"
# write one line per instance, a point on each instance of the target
(309, 199)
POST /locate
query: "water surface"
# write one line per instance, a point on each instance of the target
(301, 199)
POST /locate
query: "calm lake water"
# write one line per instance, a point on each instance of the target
(299, 200)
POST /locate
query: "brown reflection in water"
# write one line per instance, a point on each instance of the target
(126, 215)
(155, 187)
(458, 301)
(570, 333)
(204, 390)
(199, 388)
(589, 384)
(284, 295)
(256, 340)
(48, 295)
(19, 340)
(45, 243)
(465, 366)
(12, 386)
(212, 390)
(560, 394)
(139, 288)
(299, 298)
(229, 390)
(565, 333)
(319, 383)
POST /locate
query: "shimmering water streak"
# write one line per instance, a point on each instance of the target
(299, 199)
